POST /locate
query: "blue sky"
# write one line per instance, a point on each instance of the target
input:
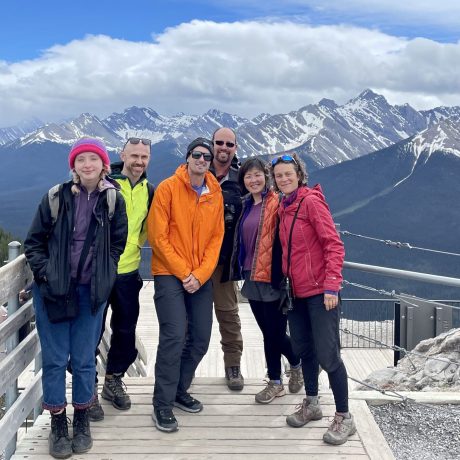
(58, 59)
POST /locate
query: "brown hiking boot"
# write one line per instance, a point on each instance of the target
(304, 413)
(295, 380)
(339, 431)
(270, 392)
(235, 380)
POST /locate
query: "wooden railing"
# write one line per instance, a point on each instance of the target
(14, 277)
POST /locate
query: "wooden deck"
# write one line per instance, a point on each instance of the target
(231, 425)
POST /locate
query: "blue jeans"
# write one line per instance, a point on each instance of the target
(75, 340)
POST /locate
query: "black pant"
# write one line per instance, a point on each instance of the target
(124, 301)
(315, 338)
(185, 322)
(273, 323)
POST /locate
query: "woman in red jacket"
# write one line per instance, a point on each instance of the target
(314, 271)
(256, 258)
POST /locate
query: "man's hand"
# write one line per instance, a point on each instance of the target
(330, 301)
(191, 284)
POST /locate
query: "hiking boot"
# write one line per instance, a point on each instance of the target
(82, 440)
(235, 380)
(95, 411)
(295, 379)
(164, 420)
(305, 412)
(59, 442)
(270, 392)
(114, 390)
(339, 431)
(188, 403)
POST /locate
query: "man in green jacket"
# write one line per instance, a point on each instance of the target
(124, 299)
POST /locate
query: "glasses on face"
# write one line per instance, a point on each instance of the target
(284, 159)
(137, 140)
(230, 145)
(197, 155)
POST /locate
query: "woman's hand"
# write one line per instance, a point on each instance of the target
(330, 301)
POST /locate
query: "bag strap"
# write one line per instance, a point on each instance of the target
(86, 246)
(290, 237)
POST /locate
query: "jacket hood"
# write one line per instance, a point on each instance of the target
(108, 182)
(305, 191)
(210, 180)
(117, 169)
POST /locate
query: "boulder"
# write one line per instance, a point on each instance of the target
(433, 365)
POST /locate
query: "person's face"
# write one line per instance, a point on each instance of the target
(254, 181)
(198, 166)
(224, 153)
(136, 158)
(286, 177)
(88, 166)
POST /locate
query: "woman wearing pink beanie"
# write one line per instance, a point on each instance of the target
(74, 255)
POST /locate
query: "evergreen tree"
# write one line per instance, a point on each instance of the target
(5, 238)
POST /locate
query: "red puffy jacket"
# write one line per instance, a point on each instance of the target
(317, 252)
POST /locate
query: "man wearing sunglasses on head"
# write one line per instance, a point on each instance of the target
(185, 230)
(225, 167)
(130, 174)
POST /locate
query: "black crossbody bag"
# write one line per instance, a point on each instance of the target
(286, 298)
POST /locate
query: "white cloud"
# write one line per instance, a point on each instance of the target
(243, 67)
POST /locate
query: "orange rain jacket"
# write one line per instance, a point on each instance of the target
(186, 231)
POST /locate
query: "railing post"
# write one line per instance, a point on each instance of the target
(11, 343)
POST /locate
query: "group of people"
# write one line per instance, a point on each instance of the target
(213, 222)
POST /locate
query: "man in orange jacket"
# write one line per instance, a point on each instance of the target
(185, 230)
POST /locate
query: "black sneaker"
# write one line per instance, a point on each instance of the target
(59, 442)
(188, 403)
(164, 420)
(114, 390)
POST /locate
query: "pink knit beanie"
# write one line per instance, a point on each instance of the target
(89, 144)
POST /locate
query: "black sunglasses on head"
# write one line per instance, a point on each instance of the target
(137, 140)
(230, 145)
(196, 154)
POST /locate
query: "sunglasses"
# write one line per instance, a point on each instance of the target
(197, 155)
(230, 145)
(284, 159)
(137, 140)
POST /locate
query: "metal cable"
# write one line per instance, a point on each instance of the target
(397, 244)
(398, 348)
(404, 399)
(394, 295)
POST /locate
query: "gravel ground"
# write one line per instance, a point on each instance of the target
(416, 432)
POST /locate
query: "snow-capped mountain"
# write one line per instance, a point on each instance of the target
(14, 132)
(324, 133)
(407, 192)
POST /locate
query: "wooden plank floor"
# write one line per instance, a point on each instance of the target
(231, 424)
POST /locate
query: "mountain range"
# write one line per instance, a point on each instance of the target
(388, 171)
(324, 134)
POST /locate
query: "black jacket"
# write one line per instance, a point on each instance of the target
(231, 192)
(47, 246)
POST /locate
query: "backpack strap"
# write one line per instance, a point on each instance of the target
(111, 200)
(53, 201)
(151, 192)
